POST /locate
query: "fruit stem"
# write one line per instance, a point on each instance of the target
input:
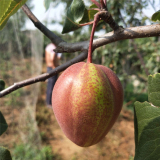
(96, 20)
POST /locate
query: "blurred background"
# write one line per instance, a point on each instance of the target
(33, 133)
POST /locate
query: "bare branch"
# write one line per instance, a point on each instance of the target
(44, 76)
(117, 35)
(126, 33)
(103, 5)
(119, 11)
(54, 38)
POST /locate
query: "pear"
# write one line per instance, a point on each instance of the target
(86, 100)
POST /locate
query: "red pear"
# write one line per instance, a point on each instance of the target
(86, 100)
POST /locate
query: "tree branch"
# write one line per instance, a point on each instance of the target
(126, 33)
(54, 38)
(44, 76)
(117, 35)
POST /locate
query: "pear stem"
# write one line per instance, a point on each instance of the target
(96, 20)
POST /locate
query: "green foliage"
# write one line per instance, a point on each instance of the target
(2, 84)
(147, 117)
(154, 89)
(76, 14)
(7, 9)
(3, 124)
(47, 3)
(27, 152)
(133, 94)
(5, 154)
(156, 16)
(92, 12)
(13, 98)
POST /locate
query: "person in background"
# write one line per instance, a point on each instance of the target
(52, 61)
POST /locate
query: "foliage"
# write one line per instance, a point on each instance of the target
(5, 154)
(2, 84)
(147, 117)
(156, 16)
(154, 90)
(76, 14)
(32, 152)
(47, 3)
(3, 124)
(7, 9)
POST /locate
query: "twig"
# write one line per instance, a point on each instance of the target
(54, 38)
(119, 11)
(126, 33)
(103, 5)
(118, 34)
(44, 76)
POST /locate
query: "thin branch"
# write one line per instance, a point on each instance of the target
(105, 2)
(88, 23)
(54, 38)
(103, 5)
(94, 9)
(44, 76)
(117, 35)
(119, 11)
(126, 33)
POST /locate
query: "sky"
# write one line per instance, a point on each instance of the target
(42, 14)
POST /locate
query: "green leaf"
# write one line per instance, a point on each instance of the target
(2, 84)
(76, 13)
(147, 131)
(85, 17)
(47, 4)
(156, 16)
(7, 9)
(5, 154)
(154, 89)
(3, 124)
(92, 12)
(147, 122)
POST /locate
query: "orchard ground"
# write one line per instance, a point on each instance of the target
(118, 144)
